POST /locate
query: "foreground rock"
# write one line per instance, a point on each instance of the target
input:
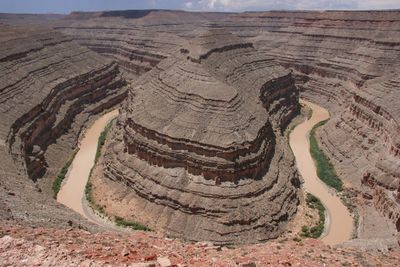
(199, 147)
(52, 247)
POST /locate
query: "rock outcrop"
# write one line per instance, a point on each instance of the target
(49, 246)
(347, 61)
(137, 39)
(49, 88)
(199, 143)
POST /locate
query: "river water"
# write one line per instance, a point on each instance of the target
(72, 190)
(339, 224)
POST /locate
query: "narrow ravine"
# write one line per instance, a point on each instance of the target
(339, 224)
(72, 191)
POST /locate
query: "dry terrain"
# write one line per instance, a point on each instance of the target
(199, 150)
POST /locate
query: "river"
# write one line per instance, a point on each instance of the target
(72, 190)
(339, 223)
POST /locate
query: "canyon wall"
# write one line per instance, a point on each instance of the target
(206, 162)
(345, 61)
(348, 62)
(49, 89)
(136, 39)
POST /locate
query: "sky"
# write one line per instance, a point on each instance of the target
(66, 6)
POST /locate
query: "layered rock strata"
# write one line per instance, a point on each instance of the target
(46, 82)
(347, 61)
(199, 144)
(137, 39)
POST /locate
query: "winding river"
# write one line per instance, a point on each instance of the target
(339, 224)
(72, 190)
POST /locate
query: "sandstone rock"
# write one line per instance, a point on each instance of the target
(50, 87)
(28, 246)
(164, 262)
(142, 264)
(350, 67)
(346, 61)
(199, 143)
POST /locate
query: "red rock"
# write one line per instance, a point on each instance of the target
(151, 257)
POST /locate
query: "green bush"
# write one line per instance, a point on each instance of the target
(102, 139)
(315, 231)
(61, 176)
(89, 186)
(325, 170)
(134, 225)
(296, 239)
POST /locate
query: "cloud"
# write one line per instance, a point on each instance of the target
(382, 4)
(188, 5)
(250, 5)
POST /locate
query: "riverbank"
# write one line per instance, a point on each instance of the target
(339, 224)
(73, 187)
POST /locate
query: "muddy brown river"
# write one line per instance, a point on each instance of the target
(72, 190)
(339, 224)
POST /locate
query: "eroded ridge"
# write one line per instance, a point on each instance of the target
(199, 148)
(48, 86)
(348, 62)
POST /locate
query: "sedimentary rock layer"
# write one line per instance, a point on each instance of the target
(49, 87)
(349, 62)
(46, 80)
(136, 39)
(199, 143)
(133, 48)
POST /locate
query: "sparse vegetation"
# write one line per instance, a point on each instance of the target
(89, 188)
(309, 113)
(315, 231)
(325, 170)
(61, 175)
(296, 239)
(134, 225)
(353, 210)
(89, 197)
(102, 139)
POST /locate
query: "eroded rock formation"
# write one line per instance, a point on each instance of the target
(347, 61)
(49, 88)
(137, 39)
(199, 143)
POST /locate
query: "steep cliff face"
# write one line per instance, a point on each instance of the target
(347, 61)
(49, 88)
(199, 144)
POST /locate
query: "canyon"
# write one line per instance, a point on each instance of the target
(199, 150)
(204, 163)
